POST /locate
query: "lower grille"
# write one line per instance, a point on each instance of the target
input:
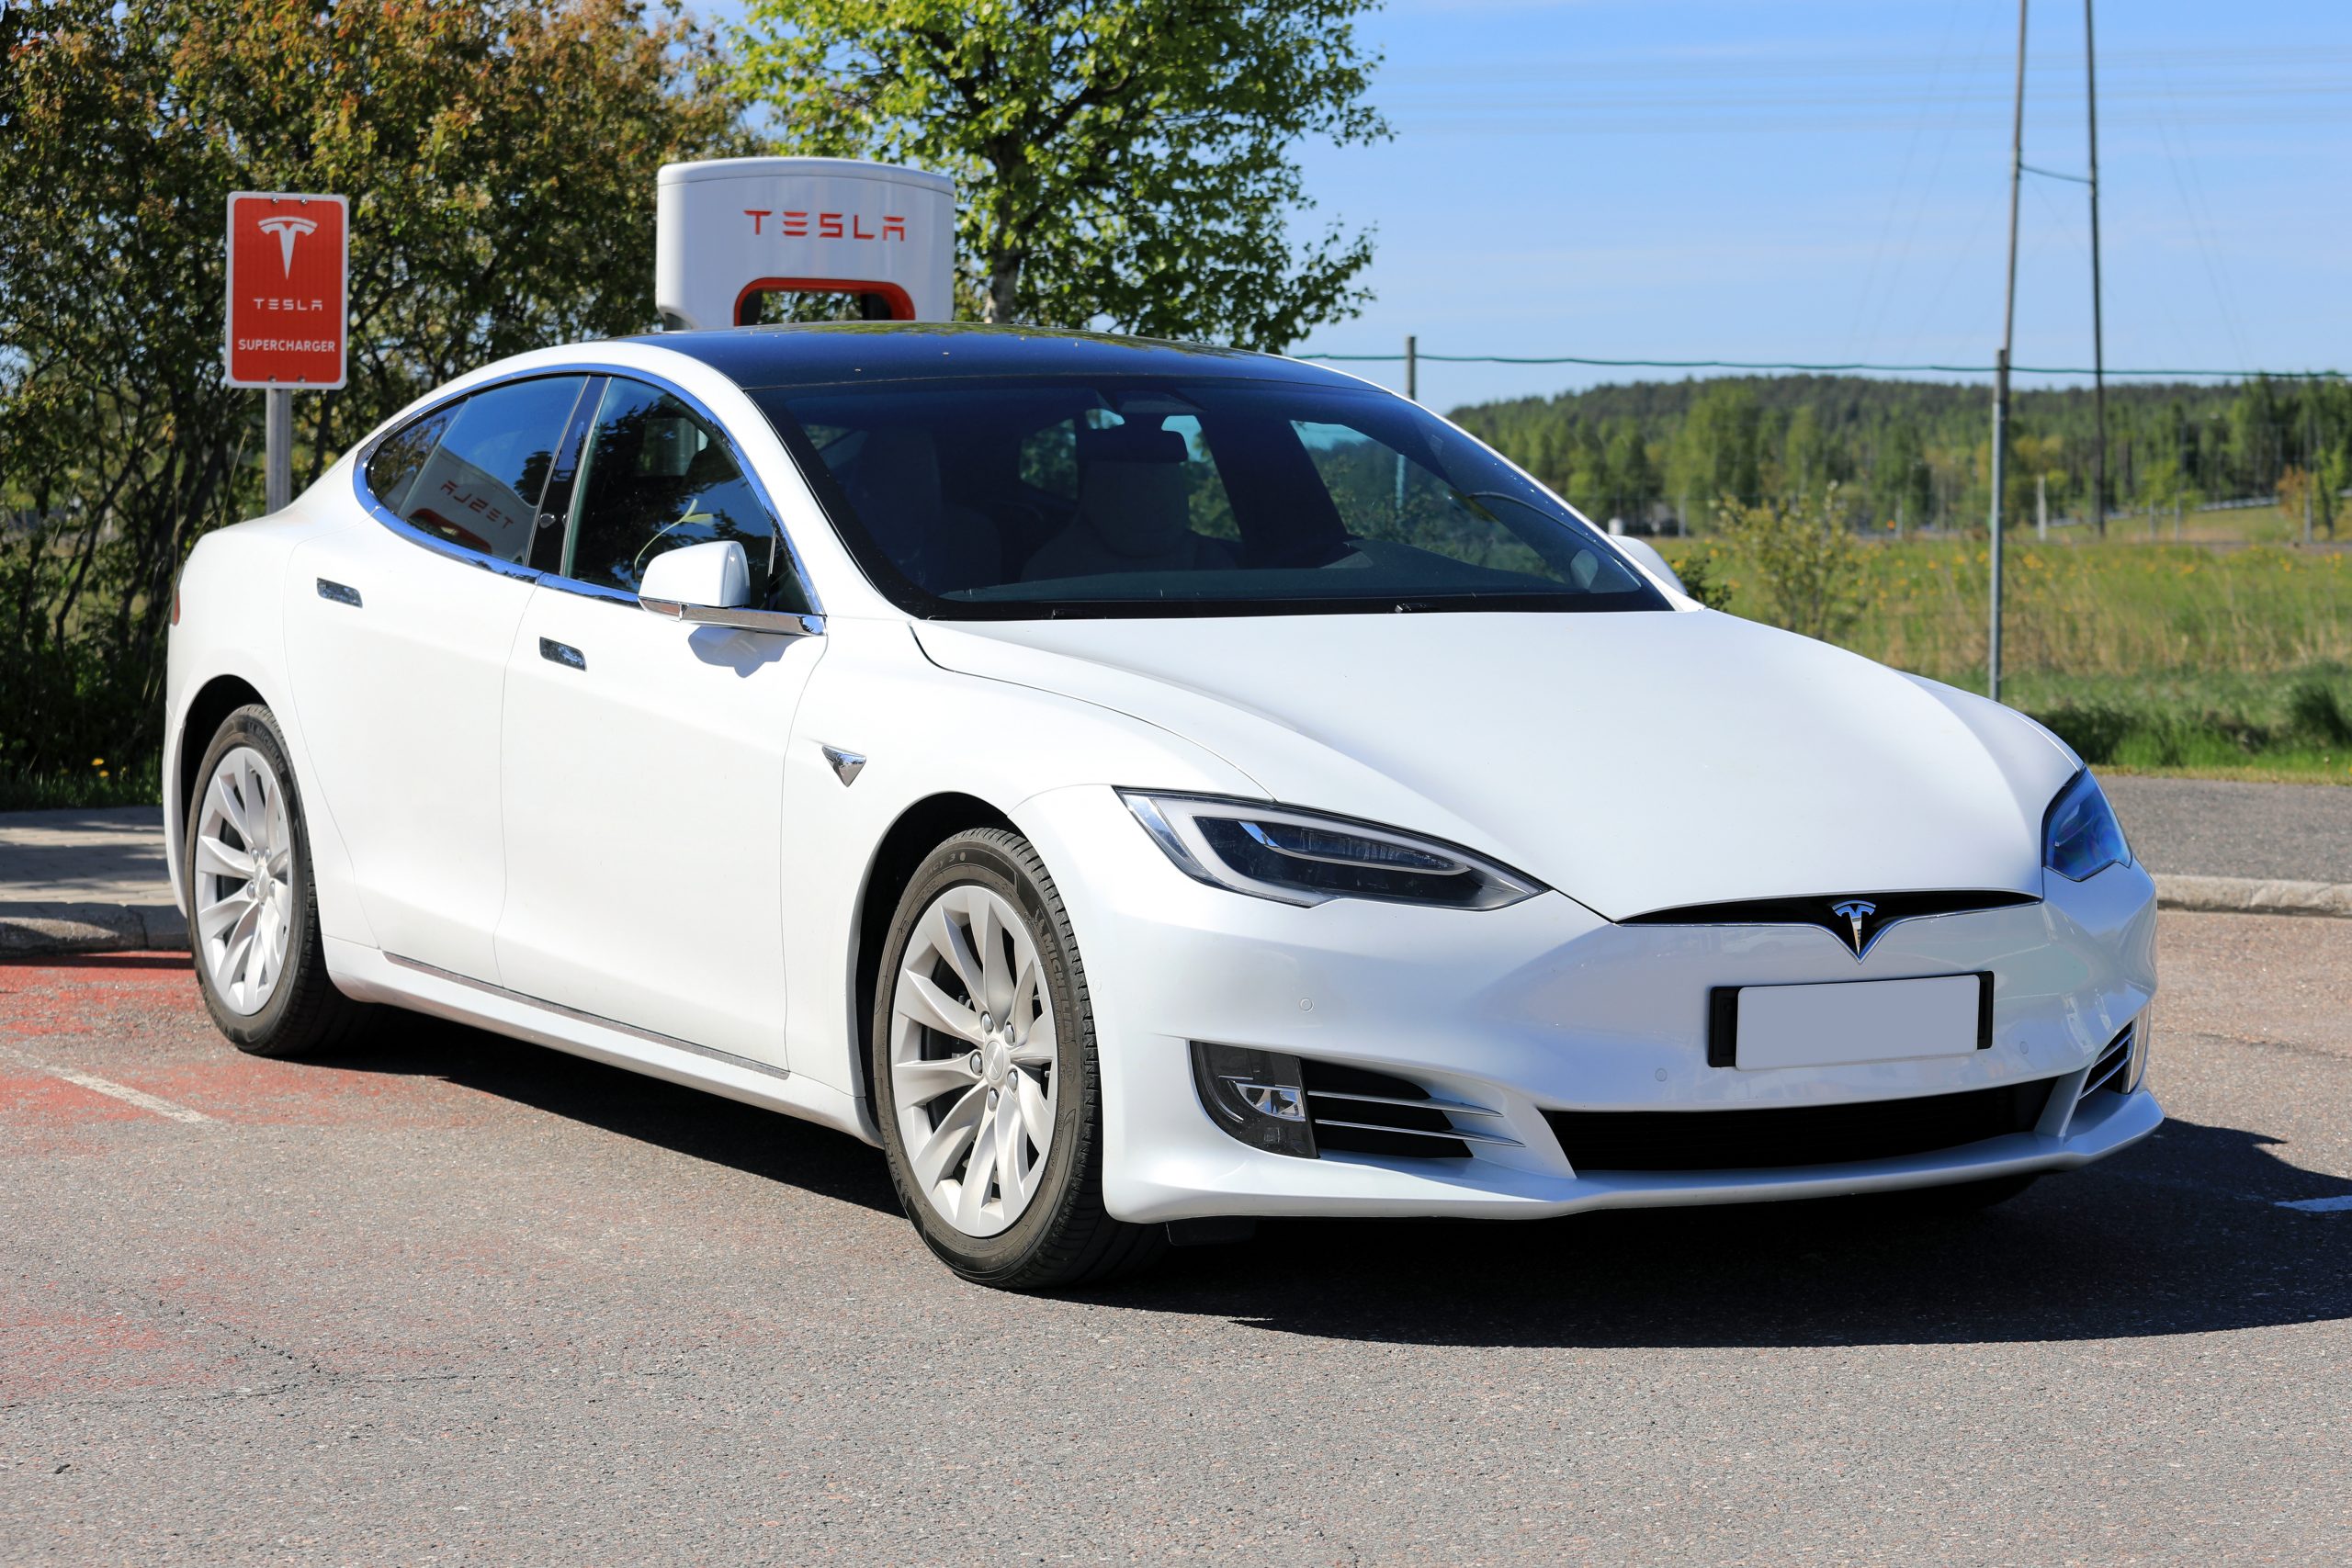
(2106, 1073)
(1356, 1111)
(1794, 1135)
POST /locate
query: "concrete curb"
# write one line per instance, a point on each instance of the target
(91, 928)
(2250, 895)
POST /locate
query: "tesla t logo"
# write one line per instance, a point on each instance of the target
(288, 231)
(1855, 910)
(802, 224)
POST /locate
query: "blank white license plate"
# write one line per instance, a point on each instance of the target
(1860, 1021)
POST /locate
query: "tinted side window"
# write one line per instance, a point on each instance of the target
(657, 477)
(402, 457)
(482, 483)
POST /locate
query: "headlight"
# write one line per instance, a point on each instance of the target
(1303, 857)
(2080, 835)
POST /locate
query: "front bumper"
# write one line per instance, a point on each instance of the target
(1544, 1005)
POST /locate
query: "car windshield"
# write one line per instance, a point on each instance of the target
(1030, 497)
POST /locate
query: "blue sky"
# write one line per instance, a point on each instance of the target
(1740, 179)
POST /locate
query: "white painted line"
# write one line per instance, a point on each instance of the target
(2335, 1205)
(123, 1092)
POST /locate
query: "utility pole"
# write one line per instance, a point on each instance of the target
(2310, 459)
(1412, 367)
(2098, 340)
(2001, 373)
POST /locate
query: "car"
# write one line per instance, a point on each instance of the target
(1143, 788)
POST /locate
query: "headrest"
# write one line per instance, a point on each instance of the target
(1131, 443)
(1138, 509)
(894, 485)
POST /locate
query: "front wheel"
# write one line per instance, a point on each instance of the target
(985, 1073)
(253, 907)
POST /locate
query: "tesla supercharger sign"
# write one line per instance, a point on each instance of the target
(731, 231)
(289, 258)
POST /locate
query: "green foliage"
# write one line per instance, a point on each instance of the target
(501, 155)
(1120, 161)
(1917, 454)
(1804, 559)
(2295, 724)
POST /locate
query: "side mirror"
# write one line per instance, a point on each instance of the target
(1646, 553)
(712, 575)
(709, 584)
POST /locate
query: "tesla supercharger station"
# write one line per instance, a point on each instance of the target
(730, 231)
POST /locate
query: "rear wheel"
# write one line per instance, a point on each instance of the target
(253, 907)
(986, 1077)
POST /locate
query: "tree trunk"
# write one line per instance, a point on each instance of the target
(1005, 283)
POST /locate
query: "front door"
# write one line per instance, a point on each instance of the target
(643, 773)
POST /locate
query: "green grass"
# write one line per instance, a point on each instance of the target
(97, 784)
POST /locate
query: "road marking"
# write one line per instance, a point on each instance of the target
(123, 1092)
(2321, 1205)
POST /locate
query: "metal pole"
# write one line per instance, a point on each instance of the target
(2310, 459)
(2098, 340)
(277, 429)
(1412, 367)
(2042, 506)
(2000, 441)
(2001, 374)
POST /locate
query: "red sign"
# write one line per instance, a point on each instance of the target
(289, 258)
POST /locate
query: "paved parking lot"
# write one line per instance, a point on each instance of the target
(460, 1300)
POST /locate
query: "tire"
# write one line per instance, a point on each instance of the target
(293, 1009)
(964, 1077)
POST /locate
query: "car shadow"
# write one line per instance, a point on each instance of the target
(2179, 1234)
(690, 1122)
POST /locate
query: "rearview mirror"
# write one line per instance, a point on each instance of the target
(712, 575)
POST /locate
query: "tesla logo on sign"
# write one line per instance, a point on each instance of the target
(289, 262)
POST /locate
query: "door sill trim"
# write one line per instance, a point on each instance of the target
(650, 1036)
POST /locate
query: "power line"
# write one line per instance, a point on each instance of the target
(1777, 364)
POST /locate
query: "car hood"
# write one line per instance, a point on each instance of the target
(1636, 762)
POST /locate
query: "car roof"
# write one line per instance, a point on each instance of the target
(832, 354)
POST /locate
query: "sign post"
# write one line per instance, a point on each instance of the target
(289, 263)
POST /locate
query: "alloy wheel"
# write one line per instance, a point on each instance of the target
(243, 881)
(973, 1050)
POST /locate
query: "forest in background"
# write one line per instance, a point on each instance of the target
(1912, 455)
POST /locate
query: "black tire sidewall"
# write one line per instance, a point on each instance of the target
(990, 860)
(255, 725)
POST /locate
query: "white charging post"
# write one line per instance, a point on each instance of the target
(731, 231)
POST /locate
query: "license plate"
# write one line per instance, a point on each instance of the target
(1755, 1027)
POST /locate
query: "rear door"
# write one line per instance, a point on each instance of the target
(644, 759)
(398, 638)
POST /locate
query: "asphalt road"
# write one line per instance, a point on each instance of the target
(460, 1300)
(2298, 833)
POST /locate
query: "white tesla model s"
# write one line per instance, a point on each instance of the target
(1140, 787)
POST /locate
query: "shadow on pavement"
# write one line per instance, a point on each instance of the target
(691, 1121)
(2179, 1234)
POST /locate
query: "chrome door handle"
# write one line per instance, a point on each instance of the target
(338, 593)
(562, 653)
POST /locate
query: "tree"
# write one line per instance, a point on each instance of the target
(1127, 161)
(501, 157)
(1804, 556)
